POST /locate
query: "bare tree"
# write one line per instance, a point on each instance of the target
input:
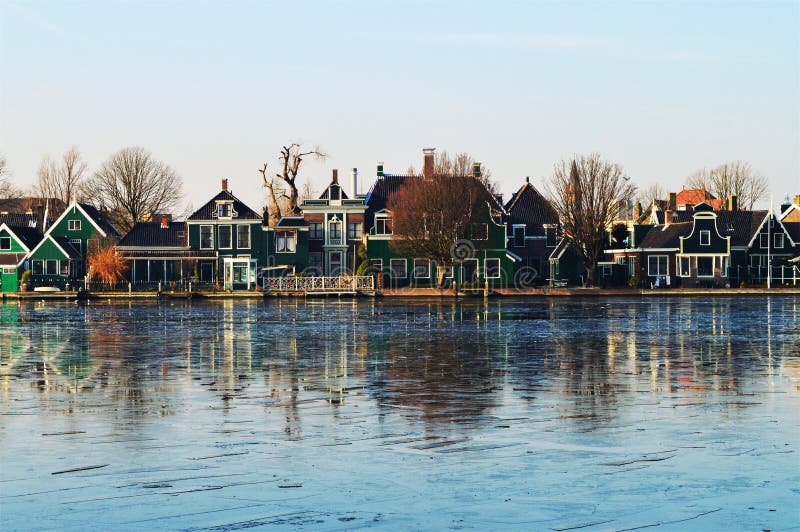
(646, 196)
(283, 184)
(7, 189)
(586, 192)
(307, 191)
(736, 178)
(133, 186)
(61, 179)
(461, 164)
(430, 214)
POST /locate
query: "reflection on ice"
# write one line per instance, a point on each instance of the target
(421, 414)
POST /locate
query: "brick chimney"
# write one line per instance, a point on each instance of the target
(796, 200)
(40, 217)
(673, 197)
(224, 184)
(668, 216)
(428, 161)
(476, 170)
(733, 203)
(335, 175)
(637, 211)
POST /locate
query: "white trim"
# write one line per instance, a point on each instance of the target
(200, 237)
(405, 268)
(513, 256)
(414, 271)
(16, 237)
(49, 236)
(657, 274)
(76, 205)
(499, 268)
(230, 227)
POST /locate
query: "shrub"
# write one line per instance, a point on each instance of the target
(633, 282)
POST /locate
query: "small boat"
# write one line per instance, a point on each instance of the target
(47, 289)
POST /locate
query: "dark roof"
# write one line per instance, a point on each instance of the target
(28, 235)
(794, 230)
(18, 219)
(100, 219)
(326, 193)
(28, 205)
(66, 246)
(529, 207)
(739, 225)
(152, 235)
(291, 221)
(666, 236)
(209, 210)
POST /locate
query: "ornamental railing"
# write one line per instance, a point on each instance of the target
(320, 284)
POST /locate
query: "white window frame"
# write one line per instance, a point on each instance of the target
(316, 231)
(763, 240)
(725, 262)
(211, 228)
(486, 269)
(74, 225)
(620, 260)
(77, 243)
(5, 239)
(357, 230)
(284, 244)
(41, 267)
(239, 227)
(55, 264)
(684, 272)
(777, 243)
(514, 235)
(713, 267)
(372, 263)
(392, 262)
(383, 220)
(762, 259)
(425, 263)
(705, 237)
(658, 258)
(222, 206)
(230, 236)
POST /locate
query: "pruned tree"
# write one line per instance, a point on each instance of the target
(735, 178)
(586, 192)
(282, 193)
(61, 179)
(7, 189)
(430, 215)
(134, 186)
(107, 266)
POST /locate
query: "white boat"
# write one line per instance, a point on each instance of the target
(47, 289)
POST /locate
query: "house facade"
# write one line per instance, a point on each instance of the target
(15, 245)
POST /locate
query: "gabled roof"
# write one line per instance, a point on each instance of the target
(327, 195)
(29, 237)
(528, 206)
(741, 226)
(62, 243)
(692, 196)
(666, 236)
(209, 210)
(100, 219)
(793, 228)
(152, 235)
(291, 221)
(19, 219)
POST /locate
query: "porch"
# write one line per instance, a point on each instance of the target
(311, 286)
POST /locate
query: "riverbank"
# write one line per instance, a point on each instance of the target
(544, 292)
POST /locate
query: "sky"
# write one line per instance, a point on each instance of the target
(214, 89)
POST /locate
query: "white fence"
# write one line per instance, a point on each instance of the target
(320, 284)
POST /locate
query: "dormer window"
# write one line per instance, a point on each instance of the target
(382, 226)
(224, 210)
(334, 192)
(705, 238)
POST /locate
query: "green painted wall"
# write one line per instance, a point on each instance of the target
(257, 249)
(299, 258)
(87, 231)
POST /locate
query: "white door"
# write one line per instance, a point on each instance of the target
(335, 263)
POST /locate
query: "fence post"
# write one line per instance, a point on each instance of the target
(130, 288)
(159, 286)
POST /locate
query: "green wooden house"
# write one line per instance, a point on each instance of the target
(55, 262)
(286, 247)
(15, 245)
(235, 237)
(85, 227)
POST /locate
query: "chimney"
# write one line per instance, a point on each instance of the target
(672, 200)
(637, 211)
(164, 222)
(733, 204)
(224, 184)
(796, 200)
(476, 170)
(668, 217)
(335, 175)
(40, 217)
(527, 179)
(379, 172)
(428, 161)
(354, 181)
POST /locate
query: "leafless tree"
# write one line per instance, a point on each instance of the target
(283, 184)
(646, 196)
(61, 179)
(430, 214)
(7, 188)
(735, 178)
(461, 164)
(134, 186)
(586, 192)
(307, 191)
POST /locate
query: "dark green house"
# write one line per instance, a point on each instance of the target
(15, 245)
(55, 262)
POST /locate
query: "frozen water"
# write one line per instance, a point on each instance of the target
(529, 414)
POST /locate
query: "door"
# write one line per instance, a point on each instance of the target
(206, 272)
(469, 270)
(335, 263)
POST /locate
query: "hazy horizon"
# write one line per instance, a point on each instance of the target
(215, 90)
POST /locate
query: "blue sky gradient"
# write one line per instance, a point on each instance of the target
(214, 89)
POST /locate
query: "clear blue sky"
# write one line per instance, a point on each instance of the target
(214, 89)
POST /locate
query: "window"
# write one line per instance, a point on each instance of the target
(334, 192)
(64, 268)
(38, 267)
(382, 226)
(376, 265)
(758, 261)
(224, 210)
(448, 272)
(685, 267)
(77, 243)
(632, 267)
(398, 268)
(206, 237)
(243, 236)
(422, 269)
(51, 267)
(315, 231)
(285, 241)
(74, 225)
(480, 231)
(491, 268)
(334, 231)
(354, 230)
(519, 236)
(657, 265)
(705, 238)
(763, 240)
(621, 260)
(724, 265)
(551, 236)
(224, 236)
(5, 243)
(705, 266)
(778, 240)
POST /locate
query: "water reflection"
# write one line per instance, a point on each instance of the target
(444, 364)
